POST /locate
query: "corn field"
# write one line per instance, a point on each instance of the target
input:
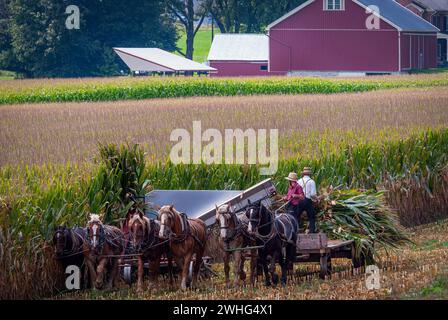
(153, 87)
(31, 213)
(60, 161)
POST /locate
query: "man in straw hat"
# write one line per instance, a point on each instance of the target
(295, 194)
(309, 189)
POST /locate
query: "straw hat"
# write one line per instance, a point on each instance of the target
(306, 171)
(292, 176)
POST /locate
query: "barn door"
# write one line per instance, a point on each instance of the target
(421, 52)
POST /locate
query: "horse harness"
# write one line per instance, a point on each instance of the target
(274, 230)
(77, 241)
(186, 231)
(237, 231)
(106, 231)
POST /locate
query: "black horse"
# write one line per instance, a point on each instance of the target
(68, 248)
(277, 235)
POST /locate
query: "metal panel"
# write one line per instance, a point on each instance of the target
(155, 59)
(239, 47)
(201, 203)
(400, 16)
(192, 202)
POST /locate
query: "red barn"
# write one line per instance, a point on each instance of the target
(337, 36)
(239, 55)
(345, 35)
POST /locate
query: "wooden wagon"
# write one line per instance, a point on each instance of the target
(316, 248)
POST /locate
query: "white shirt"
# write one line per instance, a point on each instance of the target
(309, 186)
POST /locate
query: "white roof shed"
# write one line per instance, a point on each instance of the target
(239, 47)
(158, 60)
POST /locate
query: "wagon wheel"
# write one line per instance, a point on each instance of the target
(127, 274)
(325, 265)
(190, 272)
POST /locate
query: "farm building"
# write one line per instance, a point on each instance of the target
(436, 12)
(239, 55)
(344, 36)
(150, 60)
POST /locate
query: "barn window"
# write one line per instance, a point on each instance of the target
(264, 68)
(334, 5)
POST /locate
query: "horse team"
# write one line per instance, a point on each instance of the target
(99, 248)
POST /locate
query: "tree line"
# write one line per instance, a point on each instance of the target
(47, 38)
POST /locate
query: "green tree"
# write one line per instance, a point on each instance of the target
(235, 16)
(191, 15)
(35, 41)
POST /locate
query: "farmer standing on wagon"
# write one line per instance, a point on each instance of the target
(309, 188)
(294, 196)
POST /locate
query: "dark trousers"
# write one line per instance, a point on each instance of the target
(293, 210)
(304, 205)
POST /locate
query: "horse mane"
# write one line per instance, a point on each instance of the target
(142, 219)
(95, 218)
(223, 209)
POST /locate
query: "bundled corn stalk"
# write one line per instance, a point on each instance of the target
(362, 217)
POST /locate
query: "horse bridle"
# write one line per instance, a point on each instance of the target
(147, 234)
(101, 236)
(236, 222)
(62, 232)
(171, 216)
(273, 231)
(74, 237)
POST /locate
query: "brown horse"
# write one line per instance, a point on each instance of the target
(187, 238)
(148, 246)
(233, 235)
(102, 251)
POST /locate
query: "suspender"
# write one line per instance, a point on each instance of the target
(304, 185)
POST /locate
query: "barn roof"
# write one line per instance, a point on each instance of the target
(399, 16)
(437, 5)
(390, 11)
(239, 47)
(155, 59)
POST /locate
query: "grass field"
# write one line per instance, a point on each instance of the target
(202, 43)
(6, 75)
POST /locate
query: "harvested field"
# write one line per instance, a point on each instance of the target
(309, 125)
(404, 274)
